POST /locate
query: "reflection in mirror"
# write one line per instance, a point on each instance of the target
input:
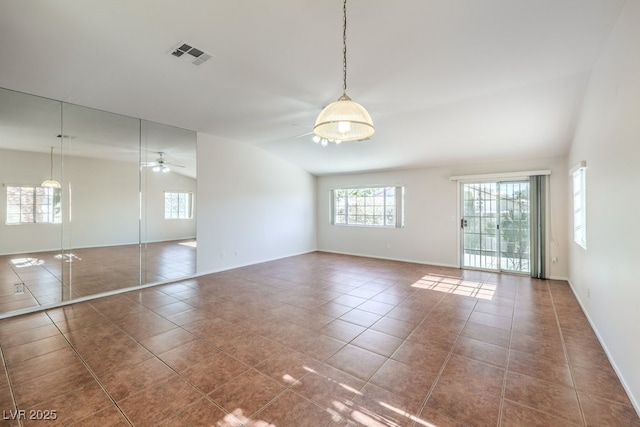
(30, 215)
(124, 215)
(101, 239)
(168, 183)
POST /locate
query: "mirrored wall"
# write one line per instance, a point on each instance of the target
(120, 212)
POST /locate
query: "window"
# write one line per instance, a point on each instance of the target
(371, 207)
(178, 205)
(579, 205)
(31, 204)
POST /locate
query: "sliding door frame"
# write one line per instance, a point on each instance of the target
(505, 177)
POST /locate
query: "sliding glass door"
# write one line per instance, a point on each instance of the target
(496, 226)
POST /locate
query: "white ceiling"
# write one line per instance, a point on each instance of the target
(446, 81)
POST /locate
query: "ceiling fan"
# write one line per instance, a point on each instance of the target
(160, 164)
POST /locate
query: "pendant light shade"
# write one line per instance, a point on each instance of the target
(344, 119)
(51, 183)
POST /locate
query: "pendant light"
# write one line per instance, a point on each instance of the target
(51, 183)
(344, 119)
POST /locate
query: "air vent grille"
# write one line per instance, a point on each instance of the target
(187, 52)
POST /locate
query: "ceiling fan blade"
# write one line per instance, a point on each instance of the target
(303, 135)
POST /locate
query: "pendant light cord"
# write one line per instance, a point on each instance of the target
(344, 47)
(51, 163)
(344, 119)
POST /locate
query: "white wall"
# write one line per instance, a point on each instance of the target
(252, 206)
(608, 139)
(104, 202)
(156, 228)
(430, 235)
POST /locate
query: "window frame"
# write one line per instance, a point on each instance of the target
(188, 204)
(53, 205)
(397, 207)
(579, 200)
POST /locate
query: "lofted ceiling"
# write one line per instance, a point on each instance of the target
(446, 82)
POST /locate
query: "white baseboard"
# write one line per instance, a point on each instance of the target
(247, 264)
(632, 398)
(436, 264)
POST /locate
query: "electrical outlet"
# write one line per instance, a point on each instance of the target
(19, 288)
(554, 260)
(588, 293)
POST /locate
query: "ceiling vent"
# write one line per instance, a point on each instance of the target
(188, 52)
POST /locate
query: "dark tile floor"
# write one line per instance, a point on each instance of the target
(315, 340)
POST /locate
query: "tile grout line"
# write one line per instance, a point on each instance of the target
(555, 302)
(44, 311)
(508, 357)
(6, 372)
(566, 355)
(365, 382)
(444, 363)
(533, 377)
(205, 395)
(135, 340)
(95, 377)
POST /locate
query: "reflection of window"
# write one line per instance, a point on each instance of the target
(579, 205)
(178, 205)
(373, 206)
(30, 204)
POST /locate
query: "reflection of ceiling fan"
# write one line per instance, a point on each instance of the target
(160, 165)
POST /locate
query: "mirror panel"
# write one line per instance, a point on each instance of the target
(30, 242)
(116, 222)
(101, 238)
(168, 204)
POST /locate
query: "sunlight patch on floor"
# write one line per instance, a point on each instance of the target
(68, 257)
(238, 418)
(26, 262)
(456, 286)
(406, 414)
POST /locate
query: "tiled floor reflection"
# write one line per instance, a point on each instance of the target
(53, 277)
(315, 340)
